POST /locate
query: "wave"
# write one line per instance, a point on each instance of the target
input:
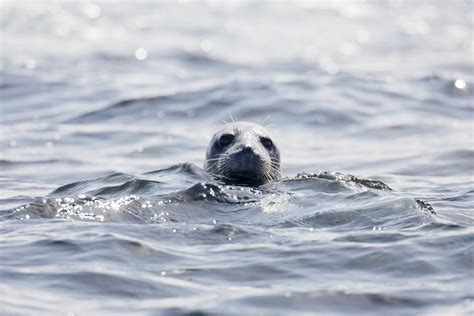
(185, 193)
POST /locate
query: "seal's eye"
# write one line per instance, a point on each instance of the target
(266, 142)
(226, 140)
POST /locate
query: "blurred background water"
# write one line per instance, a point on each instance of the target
(106, 112)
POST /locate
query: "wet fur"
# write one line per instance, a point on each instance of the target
(224, 161)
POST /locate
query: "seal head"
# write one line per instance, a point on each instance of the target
(243, 153)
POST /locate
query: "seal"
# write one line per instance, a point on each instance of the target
(243, 153)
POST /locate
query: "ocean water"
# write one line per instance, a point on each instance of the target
(106, 111)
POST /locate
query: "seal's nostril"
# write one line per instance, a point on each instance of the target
(247, 149)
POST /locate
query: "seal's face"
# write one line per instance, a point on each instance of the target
(243, 153)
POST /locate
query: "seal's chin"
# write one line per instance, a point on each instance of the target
(245, 178)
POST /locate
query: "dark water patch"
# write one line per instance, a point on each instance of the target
(227, 229)
(333, 301)
(260, 273)
(109, 136)
(291, 66)
(8, 203)
(79, 187)
(185, 104)
(184, 312)
(390, 213)
(322, 117)
(125, 249)
(130, 187)
(40, 252)
(320, 184)
(452, 240)
(119, 109)
(382, 237)
(185, 169)
(108, 284)
(439, 226)
(395, 263)
(465, 154)
(439, 168)
(198, 59)
(20, 163)
(399, 130)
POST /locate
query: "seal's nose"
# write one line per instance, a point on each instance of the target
(247, 158)
(247, 150)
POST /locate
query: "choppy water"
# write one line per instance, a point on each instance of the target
(106, 112)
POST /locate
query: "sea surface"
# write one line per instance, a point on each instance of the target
(106, 111)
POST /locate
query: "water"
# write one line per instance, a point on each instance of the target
(106, 112)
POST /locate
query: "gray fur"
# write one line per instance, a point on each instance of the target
(248, 158)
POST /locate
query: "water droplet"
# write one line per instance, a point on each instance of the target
(311, 229)
(460, 84)
(141, 53)
(163, 273)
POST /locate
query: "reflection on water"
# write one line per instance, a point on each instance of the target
(106, 112)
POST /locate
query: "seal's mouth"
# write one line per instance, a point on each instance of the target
(244, 175)
(245, 178)
(244, 168)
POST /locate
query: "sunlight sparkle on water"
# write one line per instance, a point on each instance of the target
(460, 84)
(30, 64)
(206, 45)
(141, 53)
(332, 69)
